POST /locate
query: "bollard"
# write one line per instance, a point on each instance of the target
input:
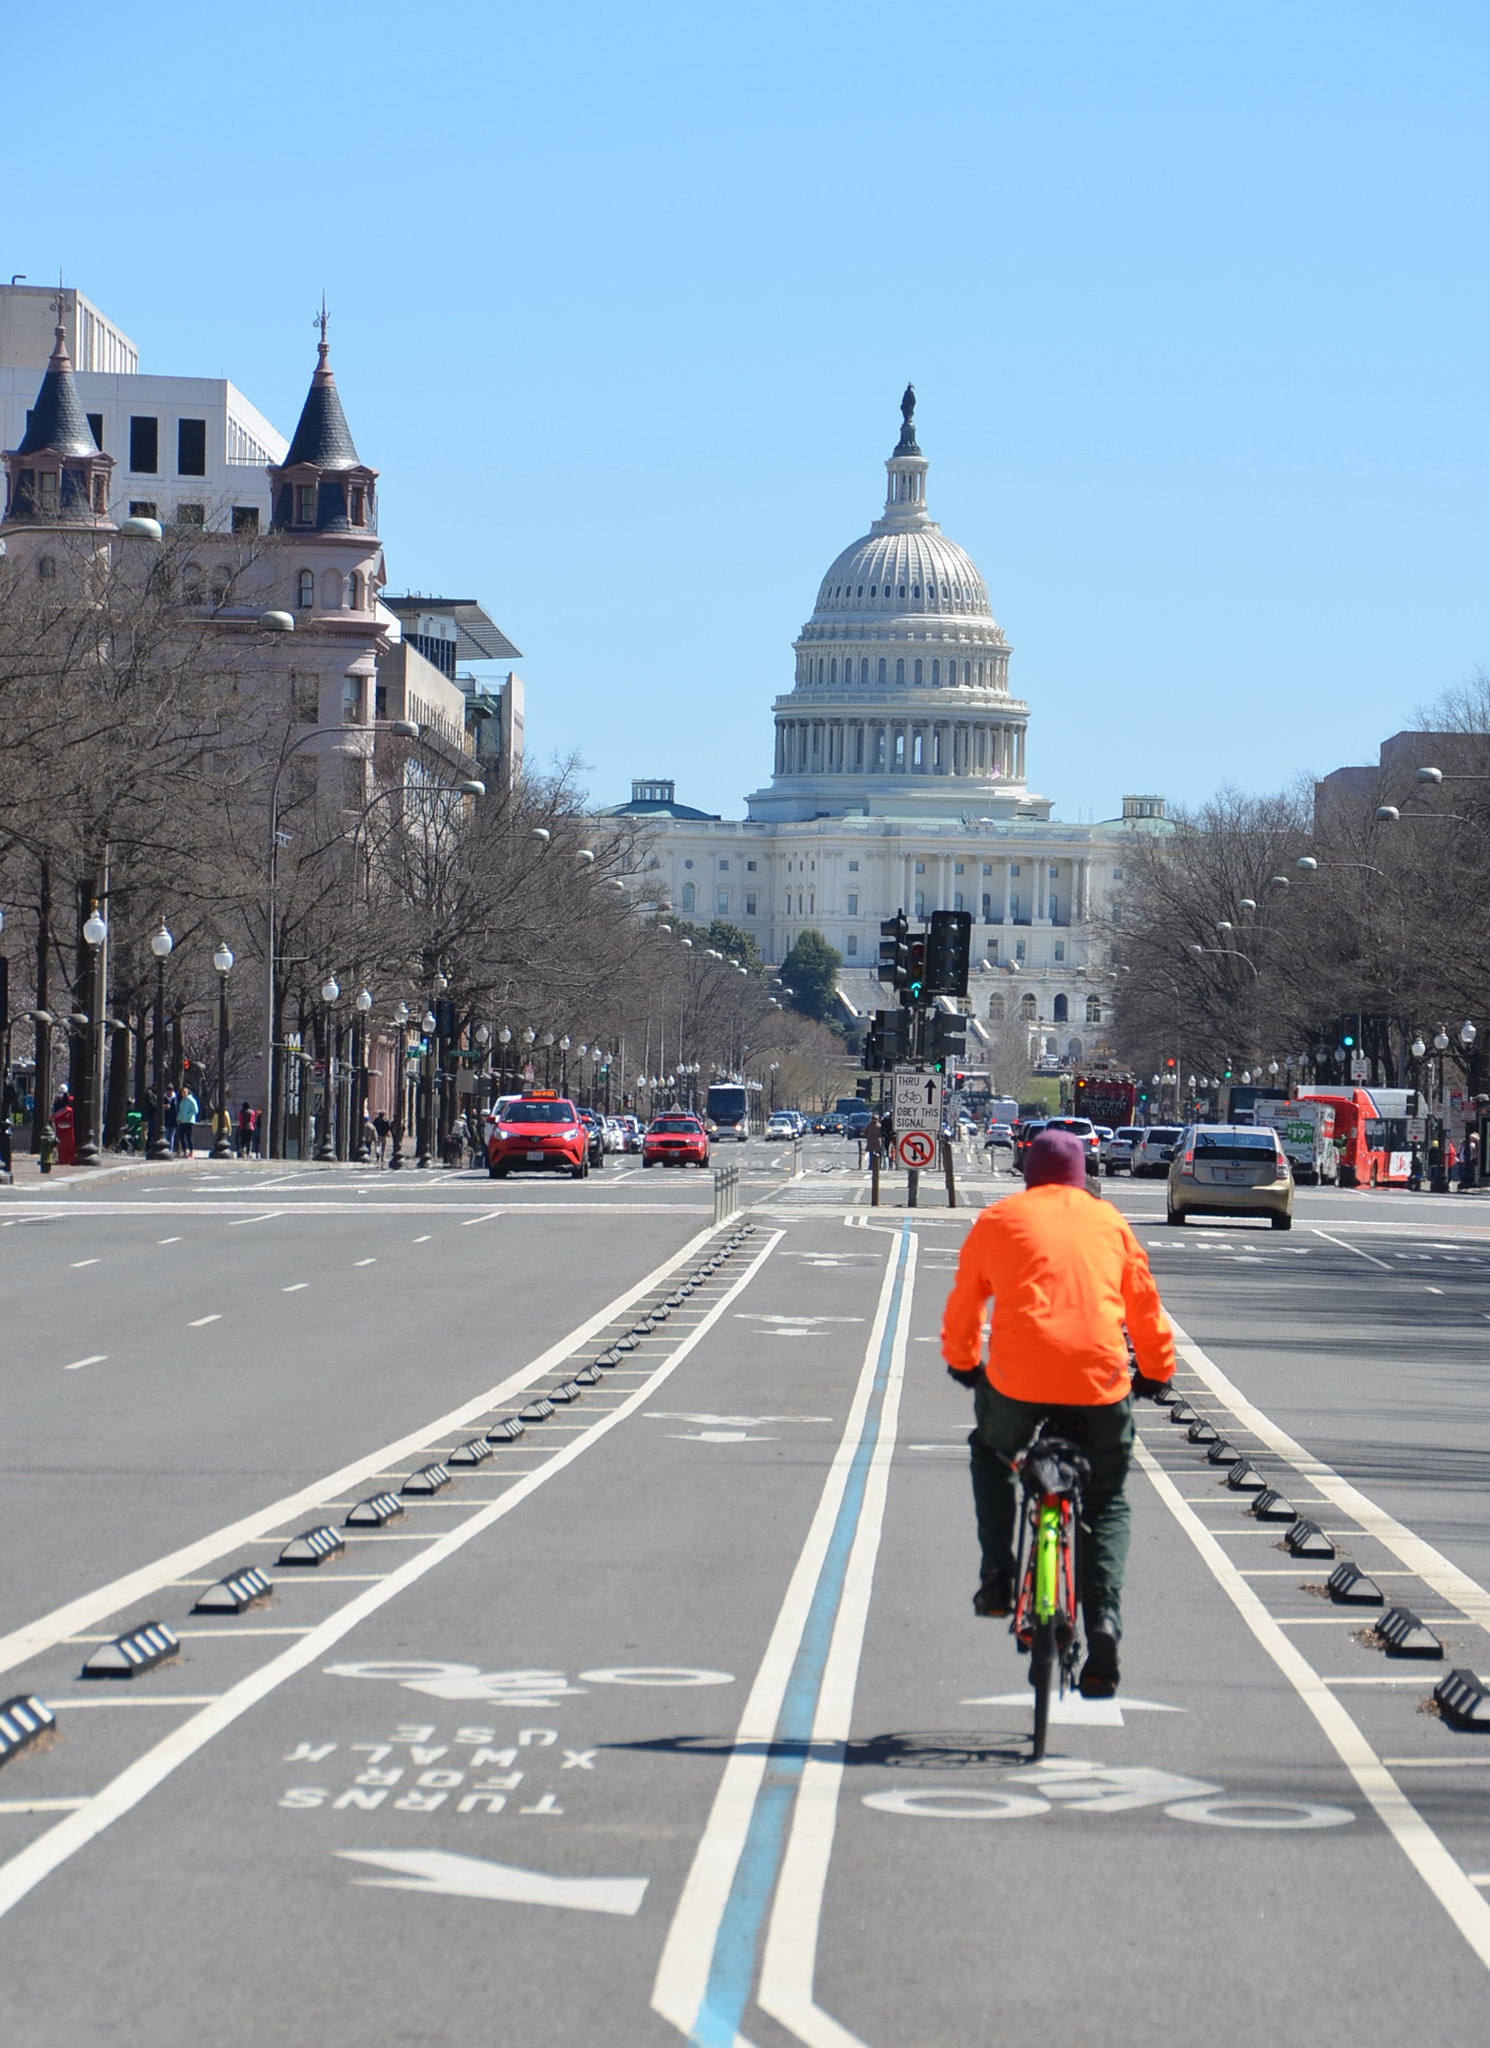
(947, 1171)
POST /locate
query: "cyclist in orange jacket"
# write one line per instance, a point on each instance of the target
(1067, 1278)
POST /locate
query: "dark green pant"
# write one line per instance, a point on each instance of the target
(1106, 1436)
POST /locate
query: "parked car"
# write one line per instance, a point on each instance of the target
(675, 1139)
(1154, 1150)
(1231, 1170)
(1120, 1149)
(594, 1124)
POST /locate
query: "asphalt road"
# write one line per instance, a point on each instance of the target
(670, 1720)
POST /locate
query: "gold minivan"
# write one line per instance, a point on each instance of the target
(1231, 1170)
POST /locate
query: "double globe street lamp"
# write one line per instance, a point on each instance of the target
(162, 946)
(222, 1144)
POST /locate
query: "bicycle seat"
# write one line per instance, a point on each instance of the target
(1053, 1465)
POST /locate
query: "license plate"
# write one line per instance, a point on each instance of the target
(1242, 1174)
(535, 1155)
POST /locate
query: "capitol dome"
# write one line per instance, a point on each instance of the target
(901, 700)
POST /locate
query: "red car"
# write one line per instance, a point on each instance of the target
(536, 1133)
(675, 1140)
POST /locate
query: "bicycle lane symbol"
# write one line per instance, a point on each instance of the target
(1101, 1788)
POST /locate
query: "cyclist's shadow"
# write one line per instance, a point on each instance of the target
(933, 1750)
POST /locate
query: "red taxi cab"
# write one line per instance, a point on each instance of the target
(675, 1139)
(537, 1133)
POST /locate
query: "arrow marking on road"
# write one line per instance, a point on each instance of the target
(718, 1436)
(472, 1877)
(1073, 1710)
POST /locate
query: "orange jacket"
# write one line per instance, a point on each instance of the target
(1066, 1276)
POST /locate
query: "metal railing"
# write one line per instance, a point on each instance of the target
(726, 1192)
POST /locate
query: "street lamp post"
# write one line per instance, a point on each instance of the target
(427, 1091)
(161, 945)
(325, 1143)
(400, 1087)
(90, 1146)
(222, 1147)
(363, 1002)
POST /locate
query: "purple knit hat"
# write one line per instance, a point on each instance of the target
(1055, 1159)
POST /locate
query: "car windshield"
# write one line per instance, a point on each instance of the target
(539, 1113)
(675, 1123)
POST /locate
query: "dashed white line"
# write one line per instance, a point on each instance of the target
(295, 1287)
(424, 1239)
(78, 1263)
(99, 1358)
(168, 1240)
(364, 1262)
(202, 1322)
(1340, 1241)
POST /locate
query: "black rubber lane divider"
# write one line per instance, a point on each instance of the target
(1272, 1507)
(507, 1431)
(1405, 1636)
(23, 1717)
(1223, 1453)
(536, 1411)
(474, 1451)
(140, 1649)
(625, 1344)
(660, 1313)
(561, 1396)
(427, 1480)
(1245, 1478)
(1183, 1412)
(376, 1512)
(1348, 1584)
(587, 1376)
(1307, 1539)
(1203, 1432)
(606, 1362)
(1463, 1701)
(235, 1593)
(312, 1546)
(675, 1300)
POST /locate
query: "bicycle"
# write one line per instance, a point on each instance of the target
(1052, 1472)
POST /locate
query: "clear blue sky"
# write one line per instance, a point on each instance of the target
(623, 301)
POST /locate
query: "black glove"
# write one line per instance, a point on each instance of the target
(968, 1376)
(1148, 1389)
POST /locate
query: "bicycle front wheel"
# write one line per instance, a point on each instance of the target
(1044, 1677)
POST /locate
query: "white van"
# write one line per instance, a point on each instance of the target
(1307, 1133)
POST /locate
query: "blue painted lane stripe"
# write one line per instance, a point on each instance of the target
(732, 1969)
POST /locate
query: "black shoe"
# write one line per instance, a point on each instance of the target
(1099, 1674)
(995, 1596)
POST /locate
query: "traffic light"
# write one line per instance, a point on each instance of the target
(948, 942)
(4, 992)
(893, 950)
(913, 988)
(1349, 1032)
(892, 1030)
(444, 1010)
(946, 1038)
(864, 1089)
(1170, 1065)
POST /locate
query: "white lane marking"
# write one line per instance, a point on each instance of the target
(268, 1216)
(24, 1871)
(174, 1569)
(489, 1217)
(364, 1262)
(1340, 1241)
(202, 1322)
(1435, 1290)
(168, 1240)
(473, 1877)
(99, 1358)
(115, 1699)
(1080, 1712)
(41, 1805)
(683, 1974)
(1420, 1558)
(728, 1421)
(789, 1960)
(1417, 1840)
(78, 1264)
(295, 1287)
(718, 1436)
(423, 1240)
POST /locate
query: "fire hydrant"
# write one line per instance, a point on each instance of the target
(48, 1147)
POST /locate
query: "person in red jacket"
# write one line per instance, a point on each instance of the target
(1070, 1287)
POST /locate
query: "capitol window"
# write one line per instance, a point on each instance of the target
(750, 867)
(689, 864)
(853, 867)
(957, 867)
(689, 894)
(921, 868)
(916, 592)
(853, 904)
(724, 867)
(851, 944)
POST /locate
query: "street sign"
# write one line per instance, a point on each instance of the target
(1360, 1070)
(917, 1100)
(915, 1148)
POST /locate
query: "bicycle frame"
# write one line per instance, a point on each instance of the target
(1047, 1584)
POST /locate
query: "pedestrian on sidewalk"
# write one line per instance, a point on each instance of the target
(1469, 1166)
(187, 1111)
(245, 1131)
(381, 1128)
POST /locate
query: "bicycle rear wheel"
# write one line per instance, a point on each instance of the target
(1044, 1677)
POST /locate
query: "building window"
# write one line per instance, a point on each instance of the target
(304, 697)
(1015, 869)
(881, 671)
(853, 867)
(46, 568)
(100, 494)
(144, 446)
(724, 867)
(1060, 949)
(750, 867)
(689, 894)
(46, 490)
(688, 863)
(750, 903)
(1014, 908)
(987, 908)
(900, 670)
(996, 1009)
(921, 867)
(305, 504)
(918, 909)
(191, 447)
(917, 670)
(141, 508)
(936, 674)
(1117, 874)
(957, 899)
(245, 519)
(354, 591)
(853, 904)
(851, 945)
(1094, 1009)
(987, 869)
(957, 867)
(95, 428)
(1058, 1014)
(380, 701)
(351, 700)
(1027, 1008)
(305, 589)
(721, 902)
(191, 515)
(359, 505)
(1055, 908)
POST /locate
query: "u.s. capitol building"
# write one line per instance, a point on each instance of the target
(900, 779)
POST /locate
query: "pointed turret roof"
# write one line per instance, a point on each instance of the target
(323, 439)
(57, 418)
